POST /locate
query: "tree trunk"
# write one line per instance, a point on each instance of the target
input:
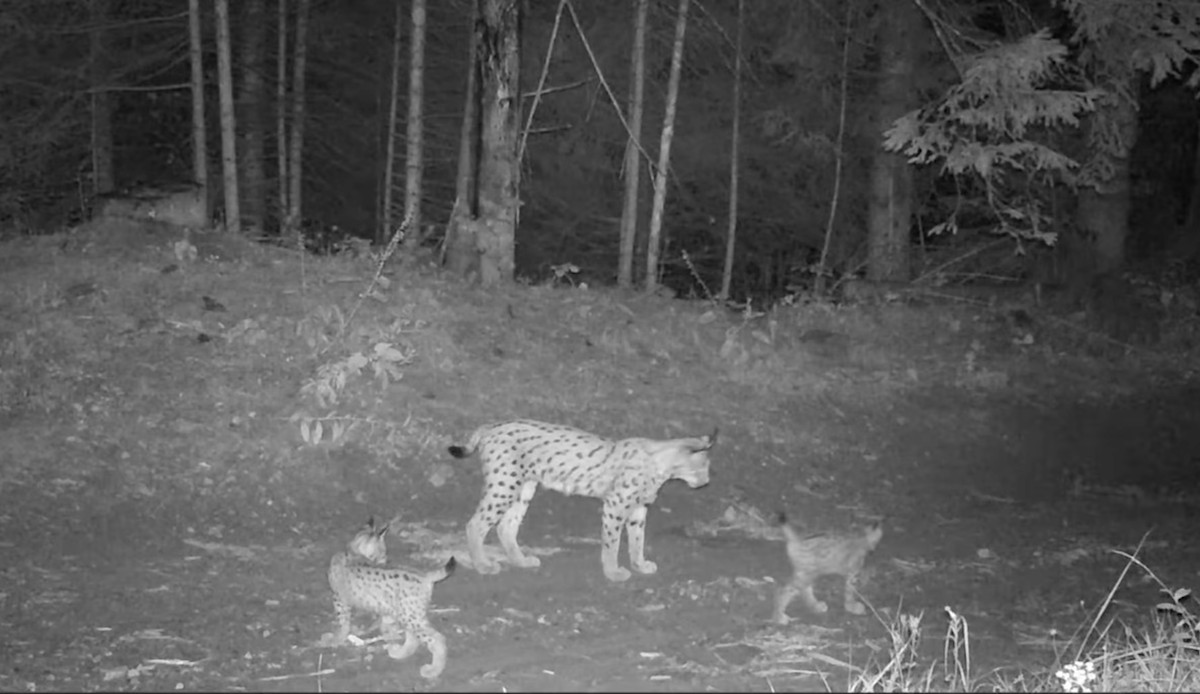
(664, 150)
(199, 126)
(233, 218)
(389, 164)
(499, 168)
(823, 273)
(102, 137)
(415, 139)
(252, 179)
(633, 169)
(281, 129)
(890, 205)
(459, 248)
(296, 152)
(1189, 238)
(731, 235)
(1103, 211)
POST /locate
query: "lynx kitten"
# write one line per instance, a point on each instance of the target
(840, 554)
(399, 596)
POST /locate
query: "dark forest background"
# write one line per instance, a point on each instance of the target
(571, 181)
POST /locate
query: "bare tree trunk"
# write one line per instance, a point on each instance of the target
(103, 180)
(499, 166)
(252, 96)
(459, 248)
(664, 150)
(1189, 237)
(389, 165)
(1103, 211)
(233, 218)
(731, 236)
(890, 207)
(414, 164)
(295, 161)
(281, 130)
(839, 153)
(633, 170)
(199, 127)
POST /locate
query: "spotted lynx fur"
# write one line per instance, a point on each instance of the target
(813, 556)
(518, 456)
(398, 596)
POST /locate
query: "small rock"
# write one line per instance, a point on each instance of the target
(440, 474)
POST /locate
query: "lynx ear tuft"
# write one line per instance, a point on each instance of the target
(705, 442)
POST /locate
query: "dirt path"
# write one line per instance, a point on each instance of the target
(982, 523)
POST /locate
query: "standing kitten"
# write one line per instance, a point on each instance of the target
(826, 554)
(400, 597)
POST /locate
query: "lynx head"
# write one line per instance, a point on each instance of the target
(369, 544)
(873, 534)
(687, 459)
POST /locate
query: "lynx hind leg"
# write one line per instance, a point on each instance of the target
(436, 643)
(614, 519)
(494, 504)
(510, 524)
(635, 527)
(810, 600)
(400, 651)
(790, 592)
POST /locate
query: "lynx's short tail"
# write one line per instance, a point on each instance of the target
(472, 445)
(789, 533)
(443, 573)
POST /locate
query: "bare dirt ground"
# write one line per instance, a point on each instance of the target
(168, 506)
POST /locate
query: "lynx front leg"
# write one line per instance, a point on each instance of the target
(510, 523)
(344, 621)
(783, 598)
(615, 517)
(850, 601)
(636, 527)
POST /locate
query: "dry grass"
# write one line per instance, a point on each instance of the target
(1104, 656)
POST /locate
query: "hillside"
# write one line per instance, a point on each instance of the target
(193, 425)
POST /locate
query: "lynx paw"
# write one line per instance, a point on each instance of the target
(646, 567)
(527, 562)
(781, 619)
(397, 651)
(431, 671)
(487, 567)
(617, 575)
(820, 607)
(856, 608)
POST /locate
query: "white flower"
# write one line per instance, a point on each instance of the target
(1077, 676)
